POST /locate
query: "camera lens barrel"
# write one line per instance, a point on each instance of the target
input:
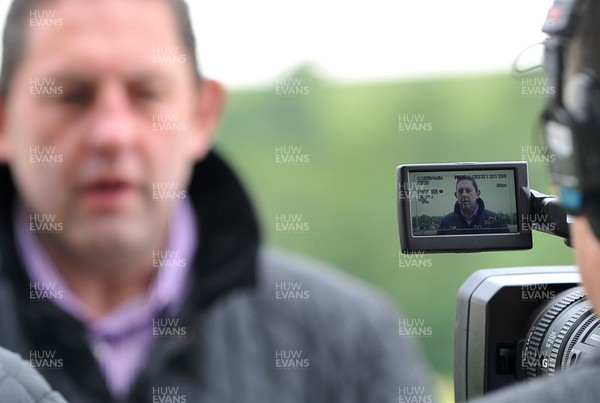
(565, 330)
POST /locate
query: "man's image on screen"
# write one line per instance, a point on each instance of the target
(469, 215)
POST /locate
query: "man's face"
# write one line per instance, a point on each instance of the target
(128, 117)
(466, 195)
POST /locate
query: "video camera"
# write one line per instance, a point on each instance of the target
(511, 324)
(519, 323)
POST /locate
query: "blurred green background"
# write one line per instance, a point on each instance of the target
(345, 188)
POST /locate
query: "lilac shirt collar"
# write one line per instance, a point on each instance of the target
(167, 291)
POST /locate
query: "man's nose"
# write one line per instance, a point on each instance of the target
(112, 125)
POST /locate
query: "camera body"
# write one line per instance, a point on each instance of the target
(495, 313)
(511, 324)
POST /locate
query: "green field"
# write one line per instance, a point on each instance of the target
(339, 184)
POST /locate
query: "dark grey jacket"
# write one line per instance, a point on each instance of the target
(19, 383)
(486, 222)
(259, 326)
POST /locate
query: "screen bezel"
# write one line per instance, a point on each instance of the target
(464, 242)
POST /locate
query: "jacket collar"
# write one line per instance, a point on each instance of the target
(226, 223)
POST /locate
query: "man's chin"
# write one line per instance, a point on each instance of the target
(109, 236)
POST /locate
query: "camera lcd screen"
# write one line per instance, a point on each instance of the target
(440, 200)
(463, 207)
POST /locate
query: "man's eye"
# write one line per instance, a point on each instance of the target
(147, 94)
(76, 97)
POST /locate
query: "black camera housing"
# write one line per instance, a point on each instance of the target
(493, 313)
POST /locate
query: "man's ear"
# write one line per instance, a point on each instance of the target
(455, 196)
(478, 192)
(210, 102)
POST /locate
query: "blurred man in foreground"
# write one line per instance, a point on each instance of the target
(572, 125)
(130, 262)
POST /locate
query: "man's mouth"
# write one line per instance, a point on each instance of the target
(108, 193)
